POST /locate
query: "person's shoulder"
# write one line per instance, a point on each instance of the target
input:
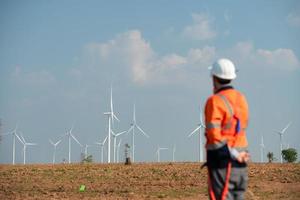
(213, 98)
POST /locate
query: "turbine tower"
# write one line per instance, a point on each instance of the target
(281, 138)
(54, 146)
(134, 125)
(71, 136)
(115, 135)
(102, 147)
(15, 135)
(262, 147)
(158, 152)
(25, 144)
(86, 150)
(199, 127)
(111, 117)
(118, 150)
(174, 150)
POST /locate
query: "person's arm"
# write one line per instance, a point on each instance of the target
(213, 120)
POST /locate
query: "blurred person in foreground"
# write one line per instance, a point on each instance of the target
(226, 120)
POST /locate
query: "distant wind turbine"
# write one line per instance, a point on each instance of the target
(25, 144)
(15, 135)
(199, 127)
(281, 138)
(102, 147)
(111, 117)
(71, 136)
(158, 152)
(115, 135)
(262, 147)
(54, 151)
(132, 128)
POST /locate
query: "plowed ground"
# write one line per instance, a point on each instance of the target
(138, 181)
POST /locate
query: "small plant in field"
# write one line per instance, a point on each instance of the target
(289, 155)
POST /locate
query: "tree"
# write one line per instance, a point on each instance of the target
(271, 157)
(289, 155)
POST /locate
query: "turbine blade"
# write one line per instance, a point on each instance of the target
(130, 129)
(31, 144)
(119, 142)
(104, 140)
(134, 119)
(194, 131)
(113, 133)
(201, 121)
(21, 135)
(19, 139)
(118, 134)
(283, 130)
(51, 142)
(114, 116)
(59, 141)
(142, 131)
(76, 139)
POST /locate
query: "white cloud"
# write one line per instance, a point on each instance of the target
(133, 55)
(293, 19)
(202, 57)
(245, 53)
(279, 58)
(201, 29)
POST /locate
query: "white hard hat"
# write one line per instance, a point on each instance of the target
(224, 69)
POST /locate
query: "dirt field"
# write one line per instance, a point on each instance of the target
(138, 181)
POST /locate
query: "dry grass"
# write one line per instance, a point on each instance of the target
(138, 181)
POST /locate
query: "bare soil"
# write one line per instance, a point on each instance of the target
(138, 181)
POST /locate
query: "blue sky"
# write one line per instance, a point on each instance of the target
(58, 59)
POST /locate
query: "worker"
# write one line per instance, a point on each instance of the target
(226, 119)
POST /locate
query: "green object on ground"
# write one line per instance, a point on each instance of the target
(82, 188)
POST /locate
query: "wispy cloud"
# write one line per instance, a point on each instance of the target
(293, 19)
(40, 78)
(280, 58)
(201, 29)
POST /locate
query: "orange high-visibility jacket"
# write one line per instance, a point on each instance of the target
(221, 112)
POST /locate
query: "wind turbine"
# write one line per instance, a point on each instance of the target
(281, 138)
(262, 147)
(158, 152)
(102, 147)
(199, 127)
(111, 117)
(71, 136)
(174, 150)
(115, 135)
(15, 135)
(132, 128)
(118, 150)
(25, 144)
(54, 146)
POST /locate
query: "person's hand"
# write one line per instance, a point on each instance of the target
(243, 157)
